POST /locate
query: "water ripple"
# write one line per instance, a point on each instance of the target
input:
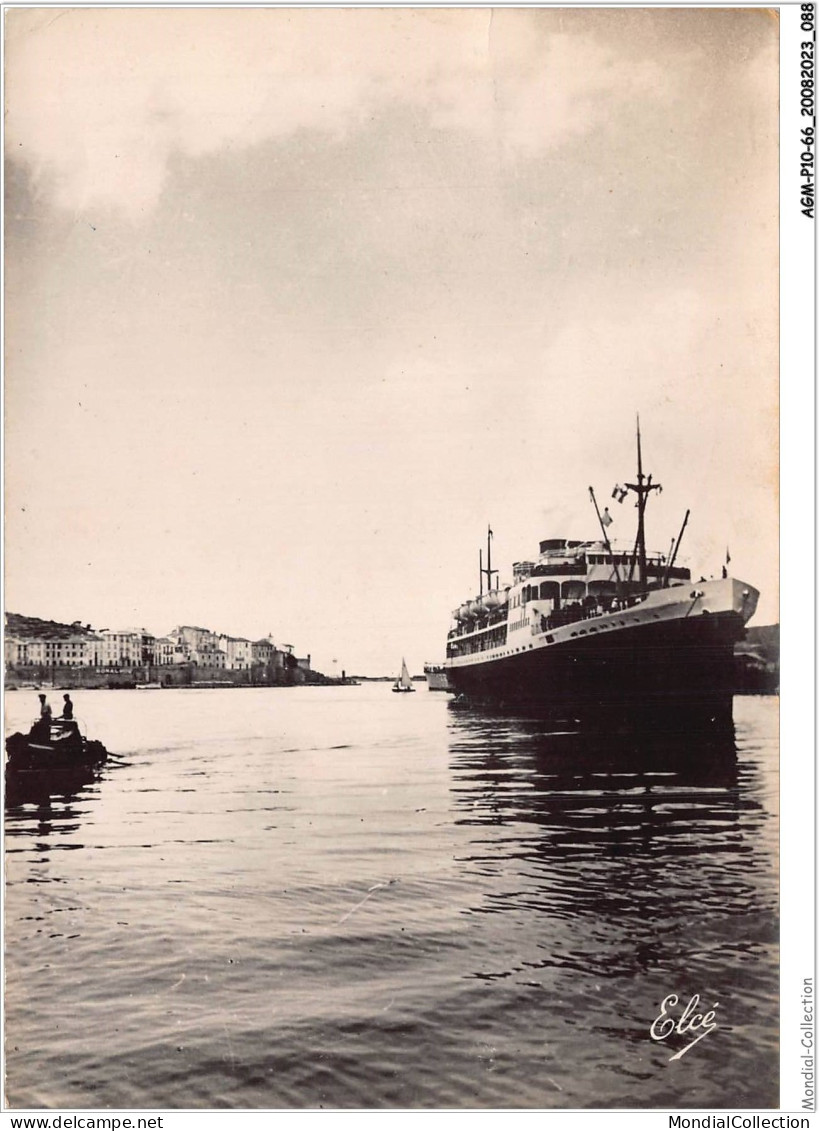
(283, 900)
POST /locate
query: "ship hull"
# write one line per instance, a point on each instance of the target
(666, 664)
(437, 680)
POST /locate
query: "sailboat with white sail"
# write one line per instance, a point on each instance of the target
(403, 683)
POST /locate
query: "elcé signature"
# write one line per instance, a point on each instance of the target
(689, 1021)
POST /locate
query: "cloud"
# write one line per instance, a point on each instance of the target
(99, 100)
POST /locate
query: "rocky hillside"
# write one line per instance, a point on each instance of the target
(761, 642)
(33, 628)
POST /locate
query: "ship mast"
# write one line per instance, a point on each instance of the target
(642, 489)
(488, 571)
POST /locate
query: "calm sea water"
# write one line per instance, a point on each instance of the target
(289, 898)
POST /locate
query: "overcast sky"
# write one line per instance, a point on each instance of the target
(299, 300)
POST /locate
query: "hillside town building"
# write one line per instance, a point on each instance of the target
(34, 644)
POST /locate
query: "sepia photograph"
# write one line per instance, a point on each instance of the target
(391, 635)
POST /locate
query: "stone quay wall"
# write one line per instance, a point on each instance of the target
(175, 675)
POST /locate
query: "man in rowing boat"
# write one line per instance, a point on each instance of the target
(42, 726)
(66, 722)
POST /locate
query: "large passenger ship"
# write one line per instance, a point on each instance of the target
(590, 625)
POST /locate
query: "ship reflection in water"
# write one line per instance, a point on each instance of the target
(592, 790)
(627, 868)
